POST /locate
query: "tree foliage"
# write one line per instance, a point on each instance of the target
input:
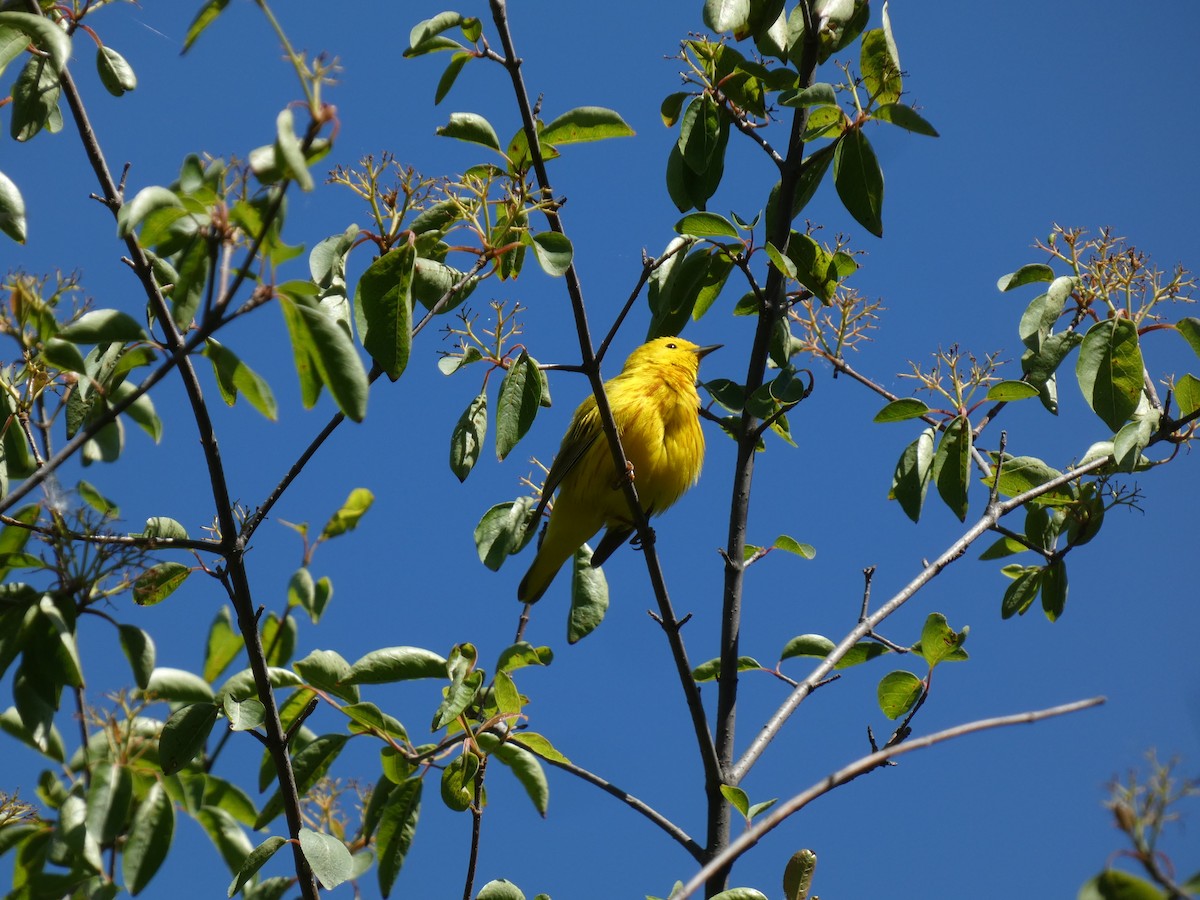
(808, 85)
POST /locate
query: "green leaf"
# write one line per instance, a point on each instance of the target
(1030, 274)
(178, 686)
(1187, 394)
(737, 798)
(426, 30)
(880, 73)
(288, 152)
(233, 376)
(901, 410)
(859, 180)
(1005, 546)
(553, 252)
(242, 684)
(1019, 474)
(103, 326)
(308, 766)
(913, 471)
(711, 670)
(383, 309)
(115, 72)
(585, 123)
(467, 439)
(699, 134)
(184, 735)
(798, 873)
(818, 646)
(898, 692)
(786, 267)
(347, 517)
(472, 128)
(791, 545)
(1009, 391)
(149, 839)
(226, 834)
(159, 582)
(589, 596)
(500, 889)
(517, 406)
(1020, 593)
(502, 532)
(328, 857)
(726, 15)
(1189, 329)
(528, 771)
(45, 34)
(133, 212)
(952, 466)
(109, 796)
(222, 647)
(538, 744)
(450, 75)
(433, 281)
(270, 167)
(1054, 589)
(396, 664)
(905, 117)
(706, 224)
(1109, 370)
(397, 825)
(243, 715)
(1114, 884)
(327, 670)
(12, 210)
(457, 784)
(940, 642)
(35, 100)
(255, 861)
(812, 173)
(205, 17)
(138, 647)
(322, 347)
(819, 94)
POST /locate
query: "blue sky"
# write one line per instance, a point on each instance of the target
(1080, 114)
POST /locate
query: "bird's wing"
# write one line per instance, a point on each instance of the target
(584, 430)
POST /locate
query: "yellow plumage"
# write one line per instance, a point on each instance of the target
(655, 405)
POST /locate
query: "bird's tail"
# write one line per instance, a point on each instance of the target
(541, 573)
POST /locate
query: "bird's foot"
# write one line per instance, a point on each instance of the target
(626, 478)
(637, 543)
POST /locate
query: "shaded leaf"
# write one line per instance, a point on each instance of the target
(859, 180)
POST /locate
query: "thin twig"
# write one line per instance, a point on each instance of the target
(985, 523)
(123, 540)
(783, 811)
(672, 830)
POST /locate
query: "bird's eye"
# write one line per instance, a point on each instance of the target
(670, 346)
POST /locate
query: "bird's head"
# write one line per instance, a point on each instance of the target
(672, 352)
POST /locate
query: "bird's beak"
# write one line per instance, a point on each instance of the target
(704, 351)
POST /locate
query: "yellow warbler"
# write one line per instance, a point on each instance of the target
(655, 405)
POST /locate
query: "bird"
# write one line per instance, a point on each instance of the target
(656, 409)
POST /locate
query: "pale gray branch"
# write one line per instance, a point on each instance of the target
(783, 811)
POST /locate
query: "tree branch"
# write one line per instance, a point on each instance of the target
(238, 583)
(591, 367)
(785, 810)
(985, 523)
(672, 830)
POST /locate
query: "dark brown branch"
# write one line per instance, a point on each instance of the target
(672, 830)
(237, 582)
(512, 65)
